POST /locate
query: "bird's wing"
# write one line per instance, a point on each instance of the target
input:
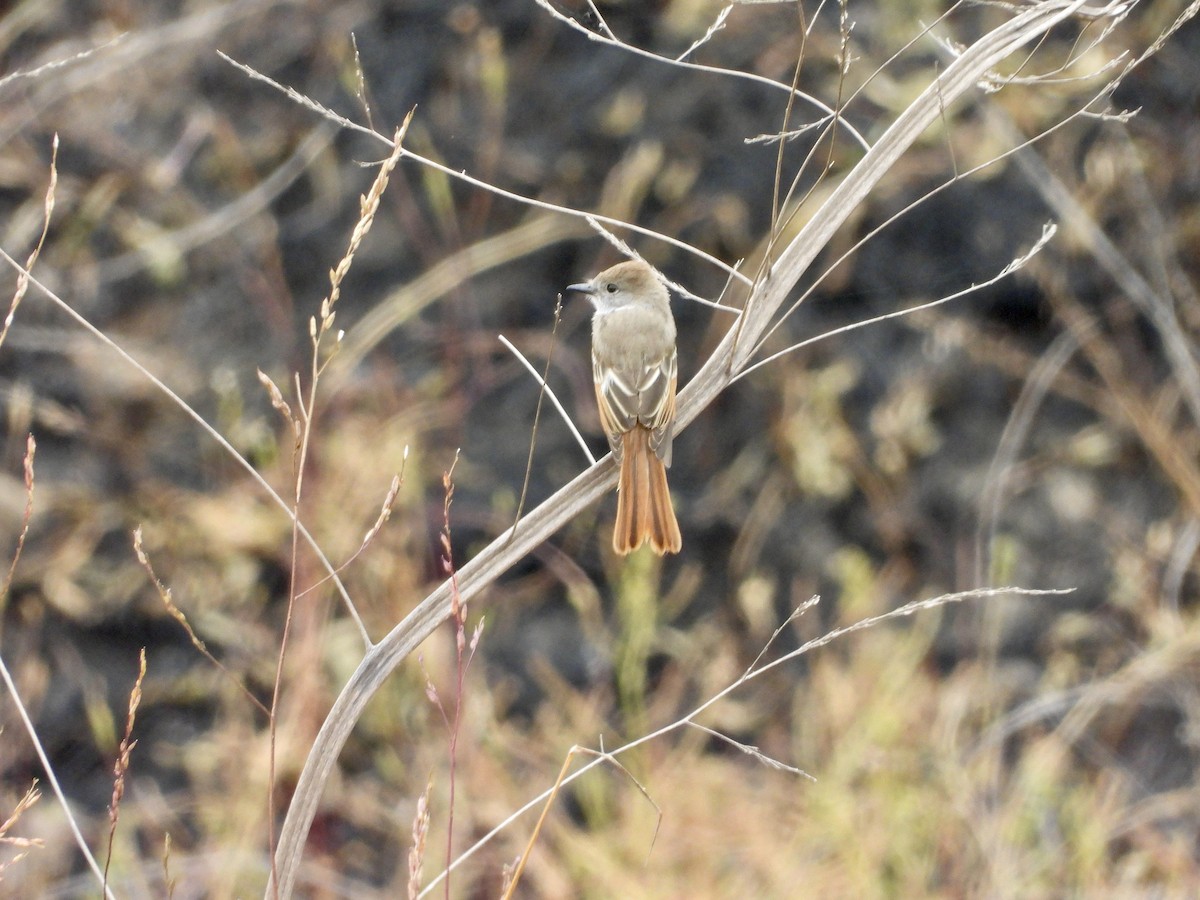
(643, 397)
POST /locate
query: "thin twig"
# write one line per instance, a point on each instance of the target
(925, 198)
(47, 209)
(716, 70)
(121, 766)
(600, 756)
(537, 414)
(750, 750)
(629, 252)
(464, 652)
(717, 25)
(168, 601)
(1048, 232)
(26, 517)
(587, 451)
(24, 75)
(385, 513)
(462, 176)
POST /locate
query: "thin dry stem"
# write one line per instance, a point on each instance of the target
(462, 176)
(54, 65)
(608, 38)
(319, 327)
(416, 853)
(24, 845)
(385, 513)
(168, 601)
(941, 101)
(23, 276)
(587, 451)
(121, 766)
(630, 253)
(1018, 263)
(717, 25)
(513, 877)
(26, 516)
(464, 652)
(752, 751)
(537, 415)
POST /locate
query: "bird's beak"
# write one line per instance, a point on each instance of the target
(586, 288)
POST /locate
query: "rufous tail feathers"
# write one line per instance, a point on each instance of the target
(644, 511)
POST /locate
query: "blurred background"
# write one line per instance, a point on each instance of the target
(1042, 432)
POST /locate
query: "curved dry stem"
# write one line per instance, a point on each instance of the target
(1016, 430)
(730, 356)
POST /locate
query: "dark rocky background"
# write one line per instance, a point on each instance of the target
(1034, 433)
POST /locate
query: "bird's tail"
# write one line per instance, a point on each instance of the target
(644, 511)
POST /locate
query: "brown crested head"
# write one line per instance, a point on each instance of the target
(633, 275)
(628, 282)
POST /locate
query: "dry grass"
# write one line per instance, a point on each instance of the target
(1041, 433)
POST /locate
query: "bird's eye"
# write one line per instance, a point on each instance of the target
(611, 288)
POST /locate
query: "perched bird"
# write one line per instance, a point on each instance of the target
(635, 369)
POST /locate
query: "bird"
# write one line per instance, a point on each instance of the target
(635, 368)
